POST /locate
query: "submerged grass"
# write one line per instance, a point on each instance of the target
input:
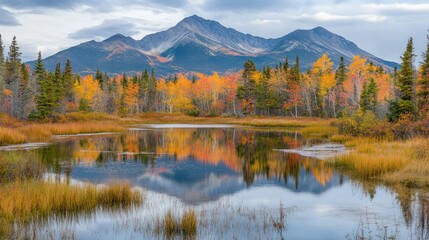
(189, 223)
(186, 225)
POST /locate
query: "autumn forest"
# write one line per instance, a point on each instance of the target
(323, 91)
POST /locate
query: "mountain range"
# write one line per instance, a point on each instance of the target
(199, 45)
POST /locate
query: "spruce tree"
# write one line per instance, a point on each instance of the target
(99, 78)
(59, 91)
(151, 91)
(24, 96)
(406, 80)
(2, 64)
(405, 103)
(2, 73)
(340, 74)
(13, 72)
(246, 91)
(68, 81)
(423, 92)
(296, 70)
(368, 101)
(46, 97)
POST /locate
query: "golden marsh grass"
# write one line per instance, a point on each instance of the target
(23, 200)
(391, 161)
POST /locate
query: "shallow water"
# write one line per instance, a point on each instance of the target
(232, 177)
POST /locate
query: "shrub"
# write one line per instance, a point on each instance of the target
(193, 112)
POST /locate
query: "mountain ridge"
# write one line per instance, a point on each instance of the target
(196, 44)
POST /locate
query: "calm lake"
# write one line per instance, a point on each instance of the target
(235, 180)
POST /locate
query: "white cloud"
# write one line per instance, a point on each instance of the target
(328, 17)
(398, 7)
(265, 21)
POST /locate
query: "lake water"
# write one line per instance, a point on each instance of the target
(235, 181)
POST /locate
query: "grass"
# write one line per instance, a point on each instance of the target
(389, 161)
(189, 223)
(76, 123)
(11, 136)
(24, 200)
(42, 132)
(24, 196)
(18, 168)
(7, 121)
(86, 117)
(253, 121)
(174, 225)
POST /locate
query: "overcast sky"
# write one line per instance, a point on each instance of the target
(379, 27)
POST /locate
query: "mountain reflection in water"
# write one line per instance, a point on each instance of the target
(196, 165)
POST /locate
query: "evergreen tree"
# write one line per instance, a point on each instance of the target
(406, 81)
(246, 91)
(99, 78)
(340, 74)
(143, 84)
(266, 98)
(68, 82)
(24, 96)
(28, 91)
(286, 65)
(151, 92)
(124, 80)
(2, 64)
(13, 72)
(2, 73)
(423, 92)
(368, 100)
(59, 91)
(46, 97)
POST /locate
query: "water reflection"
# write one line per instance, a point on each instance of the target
(195, 165)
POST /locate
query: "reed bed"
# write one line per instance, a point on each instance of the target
(391, 161)
(26, 200)
(11, 136)
(42, 132)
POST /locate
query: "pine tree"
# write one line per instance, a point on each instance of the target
(405, 104)
(368, 101)
(423, 92)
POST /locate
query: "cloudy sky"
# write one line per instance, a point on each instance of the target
(379, 27)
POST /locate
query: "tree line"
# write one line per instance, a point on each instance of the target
(283, 90)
